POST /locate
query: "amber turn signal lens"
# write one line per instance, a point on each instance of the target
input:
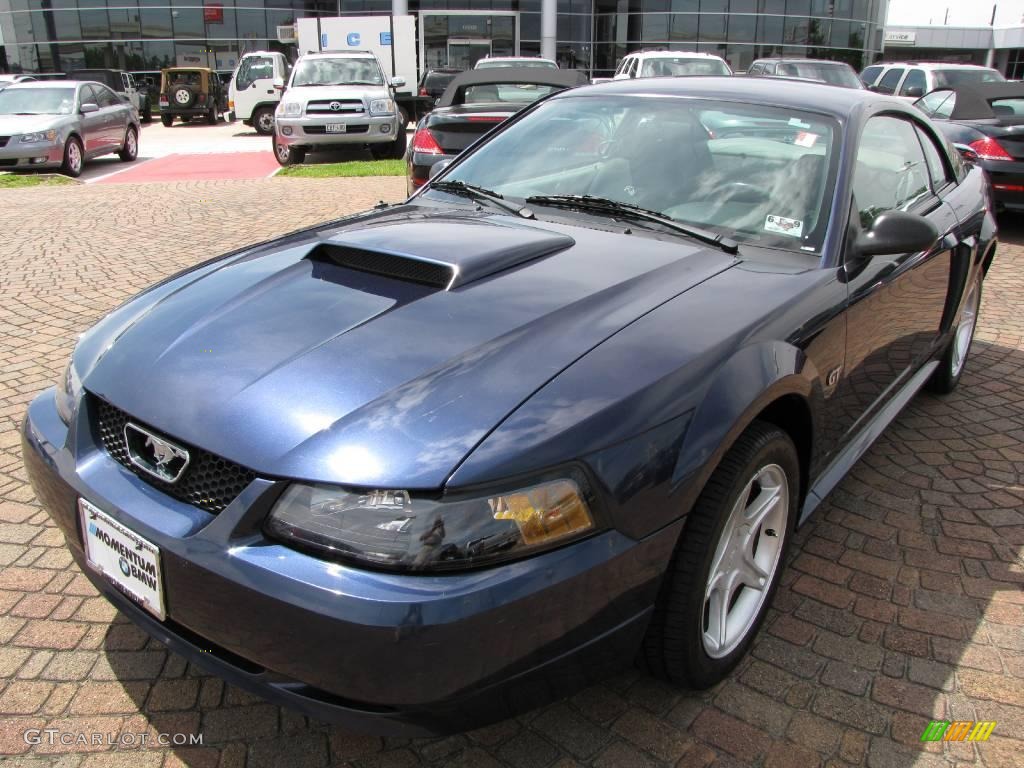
(544, 513)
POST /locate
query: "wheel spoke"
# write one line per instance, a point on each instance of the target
(762, 506)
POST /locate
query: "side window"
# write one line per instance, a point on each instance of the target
(891, 172)
(889, 80)
(633, 65)
(945, 109)
(933, 101)
(252, 69)
(105, 97)
(933, 156)
(88, 95)
(915, 83)
(869, 75)
(622, 67)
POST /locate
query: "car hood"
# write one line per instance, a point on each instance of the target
(12, 125)
(288, 362)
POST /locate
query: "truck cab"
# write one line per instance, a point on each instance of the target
(256, 88)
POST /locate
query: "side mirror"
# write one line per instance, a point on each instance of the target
(872, 88)
(437, 167)
(278, 84)
(895, 232)
(915, 90)
(397, 82)
(88, 107)
(967, 153)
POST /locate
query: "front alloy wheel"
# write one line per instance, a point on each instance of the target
(728, 561)
(288, 155)
(72, 165)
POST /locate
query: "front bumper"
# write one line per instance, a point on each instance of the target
(16, 155)
(385, 653)
(312, 131)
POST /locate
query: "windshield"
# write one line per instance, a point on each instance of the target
(682, 66)
(348, 71)
(753, 173)
(506, 93)
(37, 101)
(491, 64)
(966, 76)
(834, 74)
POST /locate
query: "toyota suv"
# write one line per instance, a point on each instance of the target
(911, 80)
(337, 98)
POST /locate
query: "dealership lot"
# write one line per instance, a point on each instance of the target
(904, 601)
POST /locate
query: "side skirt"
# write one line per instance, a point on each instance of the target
(859, 445)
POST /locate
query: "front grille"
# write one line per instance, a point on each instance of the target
(320, 130)
(323, 107)
(209, 482)
(4, 140)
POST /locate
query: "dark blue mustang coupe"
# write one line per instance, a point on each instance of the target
(426, 466)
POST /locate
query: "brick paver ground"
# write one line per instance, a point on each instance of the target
(904, 600)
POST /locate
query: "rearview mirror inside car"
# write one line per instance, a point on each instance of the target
(895, 232)
(89, 107)
(437, 167)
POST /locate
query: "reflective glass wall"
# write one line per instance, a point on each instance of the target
(144, 35)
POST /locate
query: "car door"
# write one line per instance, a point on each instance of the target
(93, 123)
(896, 303)
(253, 84)
(113, 110)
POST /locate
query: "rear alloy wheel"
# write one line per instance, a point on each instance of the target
(728, 561)
(951, 366)
(286, 155)
(130, 147)
(263, 121)
(72, 165)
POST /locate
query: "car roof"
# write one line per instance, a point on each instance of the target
(930, 65)
(802, 60)
(560, 78)
(973, 102)
(338, 55)
(812, 96)
(50, 84)
(672, 54)
(516, 58)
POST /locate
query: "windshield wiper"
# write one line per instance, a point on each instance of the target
(479, 193)
(606, 205)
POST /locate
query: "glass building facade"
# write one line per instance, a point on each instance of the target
(593, 35)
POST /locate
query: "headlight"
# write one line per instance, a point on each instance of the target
(382, 107)
(69, 390)
(39, 136)
(391, 529)
(291, 109)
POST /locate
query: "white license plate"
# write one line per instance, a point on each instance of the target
(336, 127)
(129, 561)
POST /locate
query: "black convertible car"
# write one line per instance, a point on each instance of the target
(472, 104)
(986, 122)
(426, 466)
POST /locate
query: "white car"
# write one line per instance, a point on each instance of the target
(256, 88)
(911, 80)
(670, 64)
(337, 98)
(515, 61)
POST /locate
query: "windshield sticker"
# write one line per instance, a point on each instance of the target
(798, 123)
(805, 139)
(780, 225)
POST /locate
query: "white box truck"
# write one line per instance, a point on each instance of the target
(392, 39)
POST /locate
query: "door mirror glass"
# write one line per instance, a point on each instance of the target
(437, 167)
(896, 232)
(89, 107)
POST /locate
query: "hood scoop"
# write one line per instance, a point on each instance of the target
(440, 253)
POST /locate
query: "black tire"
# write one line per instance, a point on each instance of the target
(147, 112)
(393, 151)
(286, 155)
(211, 116)
(674, 648)
(183, 96)
(130, 147)
(72, 165)
(167, 120)
(263, 121)
(952, 364)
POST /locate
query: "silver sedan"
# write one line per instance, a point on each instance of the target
(63, 124)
